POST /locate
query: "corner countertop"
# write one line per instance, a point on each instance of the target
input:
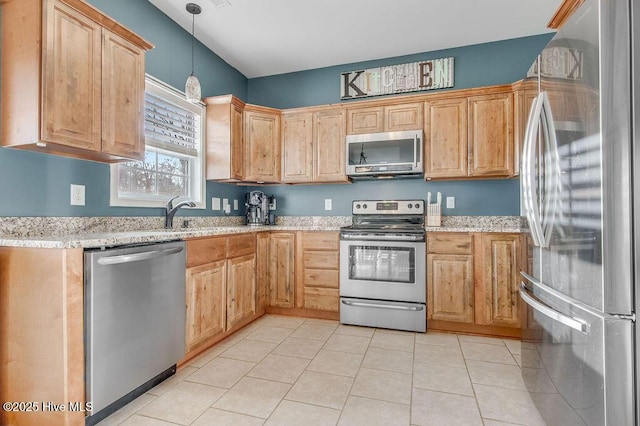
(108, 232)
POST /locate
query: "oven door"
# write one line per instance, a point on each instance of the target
(383, 270)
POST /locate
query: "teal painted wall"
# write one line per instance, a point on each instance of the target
(501, 62)
(34, 184)
(487, 64)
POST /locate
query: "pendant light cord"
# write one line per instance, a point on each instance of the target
(193, 26)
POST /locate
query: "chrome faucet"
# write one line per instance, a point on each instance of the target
(170, 211)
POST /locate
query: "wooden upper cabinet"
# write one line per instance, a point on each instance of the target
(72, 81)
(297, 147)
(223, 138)
(365, 120)
(313, 146)
(72, 61)
(445, 138)
(403, 117)
(329, 140)
(388, 118)
(491, 135)
(261, 144)
(123, 97)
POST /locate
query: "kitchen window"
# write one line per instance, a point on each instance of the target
(174, 159)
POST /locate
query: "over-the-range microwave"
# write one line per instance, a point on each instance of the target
(389, 154)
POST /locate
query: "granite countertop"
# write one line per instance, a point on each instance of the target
(113, 231)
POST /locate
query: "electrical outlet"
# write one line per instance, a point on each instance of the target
(235, 204)
(451, 202)
(327, 204)
(77, 195)
(215, 203)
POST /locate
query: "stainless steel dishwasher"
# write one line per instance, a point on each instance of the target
(134, 321)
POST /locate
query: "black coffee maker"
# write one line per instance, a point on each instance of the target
(257, 205)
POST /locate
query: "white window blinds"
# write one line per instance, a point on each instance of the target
(171, 123)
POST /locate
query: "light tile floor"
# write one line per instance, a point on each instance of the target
(296, 371)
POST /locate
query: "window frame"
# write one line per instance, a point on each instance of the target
(197, 178)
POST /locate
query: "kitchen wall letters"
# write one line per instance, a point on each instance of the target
(411, 77)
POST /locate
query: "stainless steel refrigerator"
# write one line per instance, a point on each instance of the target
(577, 178)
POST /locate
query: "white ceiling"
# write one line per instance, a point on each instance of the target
(268, 37)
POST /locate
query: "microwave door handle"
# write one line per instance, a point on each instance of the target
(415, 151)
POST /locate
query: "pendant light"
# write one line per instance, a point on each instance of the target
(192, 87)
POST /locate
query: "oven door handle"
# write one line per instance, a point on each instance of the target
(383, 306)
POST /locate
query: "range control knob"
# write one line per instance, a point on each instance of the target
(364, 206)
(410, 205)
(357, 206)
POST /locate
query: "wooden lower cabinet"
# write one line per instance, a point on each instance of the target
(282, 269)
(41, 335)
(206, 315)
(262, 272)
(450, 287)
(499, 305)
(220, 288)
(472, 283)
(318, 263)
(241, 289)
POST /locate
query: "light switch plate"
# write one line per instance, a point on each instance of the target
(215, 203)
(327, 204)
(235, 204)
(77, 195)
(451, 202)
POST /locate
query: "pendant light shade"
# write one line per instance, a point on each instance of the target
(192, 88)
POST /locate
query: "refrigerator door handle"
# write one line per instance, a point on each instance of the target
(528, 171)
(551, 171)
(575, 323)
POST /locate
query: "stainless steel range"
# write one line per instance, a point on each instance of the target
(383, 265)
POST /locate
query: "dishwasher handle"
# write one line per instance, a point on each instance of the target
(136, 257)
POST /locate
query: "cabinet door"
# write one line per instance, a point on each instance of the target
(445, 138)
(500, 280)
(523, 100)
(491, 135)
(282, 269)
(262, 271)
(329, 139)
(71, 79)
(450, 287)
(241, 289)
(403, 117)
(365, 120)
(262, 146)
(206, 314)
(297, 147)
(122, 97)
(237, 145)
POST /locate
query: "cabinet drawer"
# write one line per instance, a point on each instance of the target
(322, 278)
(324, 299)
(240, 245)
(450, 243)
(321, 259)
(321, 241)
(205, 250)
